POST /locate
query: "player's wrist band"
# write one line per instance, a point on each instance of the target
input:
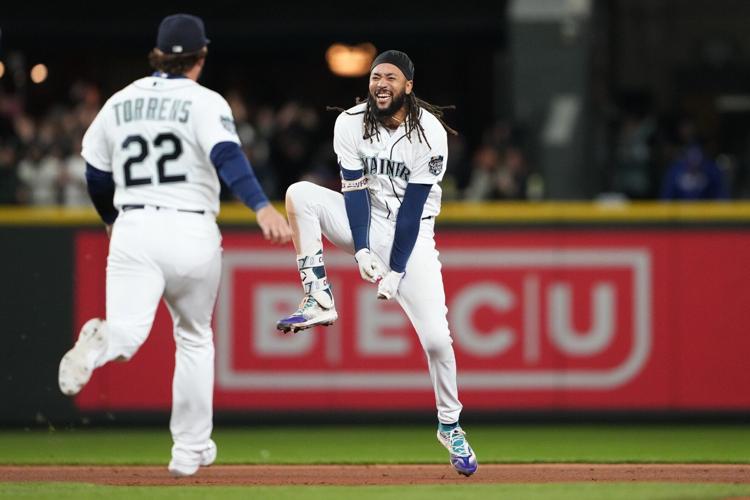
(353, 185)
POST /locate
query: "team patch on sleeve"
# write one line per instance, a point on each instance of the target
(228, 124)
(436, 165)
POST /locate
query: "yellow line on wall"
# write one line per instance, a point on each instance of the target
(595, 212)
(455, 212)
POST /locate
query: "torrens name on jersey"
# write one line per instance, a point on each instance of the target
(385, 166)
(154, 108)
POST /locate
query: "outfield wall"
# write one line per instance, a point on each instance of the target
(553, 307)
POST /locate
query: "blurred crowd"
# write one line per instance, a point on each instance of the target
(40, 162)
(664, 157)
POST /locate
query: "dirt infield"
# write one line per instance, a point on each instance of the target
(379, 474)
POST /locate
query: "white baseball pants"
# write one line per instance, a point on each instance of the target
(176, 255)
(314, 211)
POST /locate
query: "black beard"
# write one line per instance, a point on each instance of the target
(396, 103)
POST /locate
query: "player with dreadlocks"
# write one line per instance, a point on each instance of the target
(375, 116)
(392, 150)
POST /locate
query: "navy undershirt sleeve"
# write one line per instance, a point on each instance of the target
(407, 224)
(101, 188)
(357, 210)
(236, 172)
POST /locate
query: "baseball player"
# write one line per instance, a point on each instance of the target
(392, 152)
(154, 153)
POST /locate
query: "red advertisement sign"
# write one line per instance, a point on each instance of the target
(630, 319)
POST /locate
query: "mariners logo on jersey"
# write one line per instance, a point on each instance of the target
(393, 159)
(385, 166)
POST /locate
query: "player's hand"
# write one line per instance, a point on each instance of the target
(273, 224)
(388, 286)
(109, 230)
(369, 268)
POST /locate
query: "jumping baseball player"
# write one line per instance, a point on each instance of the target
(154, 153)
(392, 151)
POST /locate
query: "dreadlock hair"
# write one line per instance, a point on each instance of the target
(413, 113)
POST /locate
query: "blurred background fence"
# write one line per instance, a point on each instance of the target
(556, 310)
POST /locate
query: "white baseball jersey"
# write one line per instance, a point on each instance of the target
(389, 163)
(393, 160)
(155, 136)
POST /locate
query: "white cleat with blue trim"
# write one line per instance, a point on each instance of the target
(309, 314)
(463, 458)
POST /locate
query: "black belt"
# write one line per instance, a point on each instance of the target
(428, 217)
(125, 208)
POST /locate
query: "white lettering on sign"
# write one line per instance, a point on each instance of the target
(541, 310)
(602, 330)
(463, 307)
(373, 318)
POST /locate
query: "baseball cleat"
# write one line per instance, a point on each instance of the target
(187, 463)
(463, 458)
(78, 363)
(309, 314)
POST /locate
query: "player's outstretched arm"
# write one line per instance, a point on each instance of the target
(235, 170)
(274, 226)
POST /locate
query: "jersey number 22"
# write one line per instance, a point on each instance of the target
(159, 142)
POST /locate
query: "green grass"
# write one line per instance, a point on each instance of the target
(390, 444)
(550, 491)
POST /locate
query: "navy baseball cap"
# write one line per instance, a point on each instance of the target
(398, 59)
(181, 34)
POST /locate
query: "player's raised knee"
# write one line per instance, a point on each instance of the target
(299, 191)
